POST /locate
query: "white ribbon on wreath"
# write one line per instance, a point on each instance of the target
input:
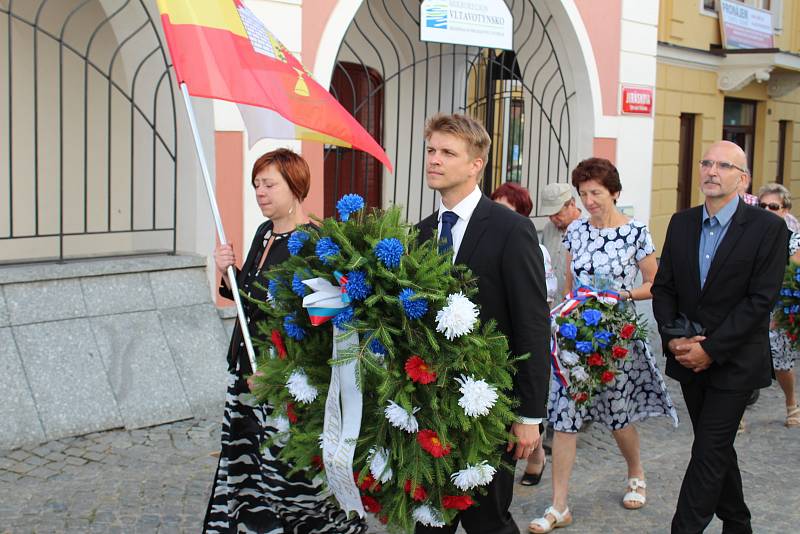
(343, 407)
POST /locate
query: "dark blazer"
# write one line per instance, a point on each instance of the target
(501, 248)
(734, 305)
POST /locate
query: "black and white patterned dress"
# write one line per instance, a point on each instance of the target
(252, 491)
(783, 352)
(609, 257)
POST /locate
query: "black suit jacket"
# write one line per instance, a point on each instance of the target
(501, 248)
(734, 305)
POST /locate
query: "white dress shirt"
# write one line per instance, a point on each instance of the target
(464, 210)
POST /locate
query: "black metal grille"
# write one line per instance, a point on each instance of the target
(521, 97)
(89, 114)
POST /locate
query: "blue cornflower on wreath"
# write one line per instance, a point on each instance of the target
(389, 251)
(293, 330)
(299, 288)
(343, 318)
(348, 205)
(326, 248)
(376, 347)
(584, 346)
(274, 286)
(413, 308)
(357, 286)
(296, 241)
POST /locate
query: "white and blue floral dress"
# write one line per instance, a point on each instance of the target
(783, 352)
(639, 391)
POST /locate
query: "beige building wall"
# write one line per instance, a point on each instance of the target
(689, 89)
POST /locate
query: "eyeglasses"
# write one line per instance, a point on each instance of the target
(721, 165)
(772, 206)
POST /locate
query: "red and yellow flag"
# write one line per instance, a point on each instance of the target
(220, 49)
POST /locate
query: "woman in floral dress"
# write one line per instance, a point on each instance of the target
(607, 249)
(778, 200)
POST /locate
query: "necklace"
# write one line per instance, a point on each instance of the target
(277, 235)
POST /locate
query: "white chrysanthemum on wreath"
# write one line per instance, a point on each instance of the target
(400, 418)
(568, 358)
(299, 387)
(458, 317)
(473, 476)
(477, 397)
(579, 374)
(428, 516)
(379, 465)
(281, 424)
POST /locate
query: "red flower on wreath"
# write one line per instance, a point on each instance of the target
(419, 371)
(619, 352)
(384, 519)
(595, 360)
(580, 397)
(419, 492)
(458, 502)
(371, 504)
(627, 331)
(606, 377)
(316, 461)
(277, 340)
(367, 482)
(290, 413)
(430, 443)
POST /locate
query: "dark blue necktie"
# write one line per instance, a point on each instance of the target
(449, 218)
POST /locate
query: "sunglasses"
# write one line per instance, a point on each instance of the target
(772, 206)
(721, 165)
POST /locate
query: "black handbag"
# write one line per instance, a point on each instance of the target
(683, 327)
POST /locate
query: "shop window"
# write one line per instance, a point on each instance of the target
(739, 125)
(785, 135)
(685, 161)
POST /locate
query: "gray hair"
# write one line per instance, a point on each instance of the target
(776, 189)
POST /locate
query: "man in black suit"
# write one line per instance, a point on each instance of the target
(720, 272)
(501, 248)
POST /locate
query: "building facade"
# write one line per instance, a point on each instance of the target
(706, 92)
(105, 230)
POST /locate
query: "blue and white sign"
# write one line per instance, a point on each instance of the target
(484, 23)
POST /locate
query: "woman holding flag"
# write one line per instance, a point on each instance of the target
(606, 251)
(252, 491)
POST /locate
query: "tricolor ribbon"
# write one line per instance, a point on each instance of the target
(344, 404)
(573, 301)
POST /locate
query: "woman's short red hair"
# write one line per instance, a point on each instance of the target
(517, 196)
(292, 167)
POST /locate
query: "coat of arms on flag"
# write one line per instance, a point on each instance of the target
(222, 50)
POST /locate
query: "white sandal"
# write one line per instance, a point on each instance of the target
(562, 519)
(634, 500)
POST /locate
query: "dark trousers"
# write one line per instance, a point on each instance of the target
(490, 515)
(712, 483)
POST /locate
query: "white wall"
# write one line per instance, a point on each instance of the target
(635, 134)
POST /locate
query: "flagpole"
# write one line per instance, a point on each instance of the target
(218, 222)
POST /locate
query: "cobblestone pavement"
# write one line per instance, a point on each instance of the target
(157, 479)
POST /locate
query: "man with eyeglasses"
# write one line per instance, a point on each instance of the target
(721, 269)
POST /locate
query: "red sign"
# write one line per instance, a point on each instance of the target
(637, 100)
